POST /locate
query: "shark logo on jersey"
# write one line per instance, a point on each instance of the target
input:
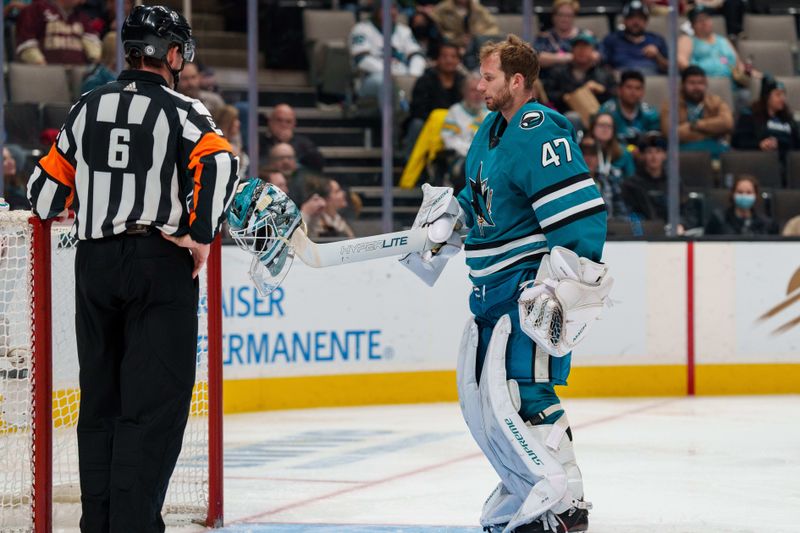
(481, 200)
(531, 119)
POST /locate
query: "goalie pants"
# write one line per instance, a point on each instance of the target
(535, 371)
(136, 324)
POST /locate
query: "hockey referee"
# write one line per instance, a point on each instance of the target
(148, 176)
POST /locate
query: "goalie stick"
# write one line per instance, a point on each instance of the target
(319, 255)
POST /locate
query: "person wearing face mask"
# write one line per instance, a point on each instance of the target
(742, 216)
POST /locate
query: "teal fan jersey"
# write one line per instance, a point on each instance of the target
(527, 190)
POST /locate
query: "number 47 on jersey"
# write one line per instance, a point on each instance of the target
(550, 152)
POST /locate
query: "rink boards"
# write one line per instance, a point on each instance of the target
(726, 315)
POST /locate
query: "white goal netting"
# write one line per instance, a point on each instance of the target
(188, 494)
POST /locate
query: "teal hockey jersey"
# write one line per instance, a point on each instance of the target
(527, 190)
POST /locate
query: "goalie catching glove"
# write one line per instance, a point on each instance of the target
(568, 294)
(442, 215)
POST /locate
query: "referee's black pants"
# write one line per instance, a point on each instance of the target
(136, 324)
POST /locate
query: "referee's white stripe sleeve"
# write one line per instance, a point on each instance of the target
(223, 163)
(45, 201)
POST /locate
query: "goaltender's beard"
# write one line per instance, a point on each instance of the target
(500, 100)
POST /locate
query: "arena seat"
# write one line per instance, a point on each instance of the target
(22, 124)
(655, 90)
(765, 166)
(785, 205)
(774, 57)
(695, 169)
(39, 83)
(597, 24)
(770, 28)
(793, 170)
(326, 34)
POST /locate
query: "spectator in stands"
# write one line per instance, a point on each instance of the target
(227, 120)
(281, 125)
(426, 32)
(768, 124)
(189, 85)
(634, 48)
(275, 177)
(555, 45)
(460, 125)
(366, 49)
(329, 223)
(105, 70)
(732, 10)
(583, 72)
(646, 193)
(742, 217)
(15, 186)
(438, 88)
(613, 158)
(55, 31)
(632, 116)
(283, 158)
(712, 52)
(704, 120)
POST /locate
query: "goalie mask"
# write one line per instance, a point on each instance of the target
(262, 219)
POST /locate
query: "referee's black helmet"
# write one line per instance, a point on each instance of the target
(150, 31)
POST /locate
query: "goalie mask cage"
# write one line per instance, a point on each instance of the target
(39, 393)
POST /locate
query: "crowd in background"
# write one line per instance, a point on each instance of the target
(599, 84)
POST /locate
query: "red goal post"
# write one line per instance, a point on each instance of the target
(39, 393)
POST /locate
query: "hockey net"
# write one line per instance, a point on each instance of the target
(39, 392)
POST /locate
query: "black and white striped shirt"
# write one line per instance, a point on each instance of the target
(136, 152)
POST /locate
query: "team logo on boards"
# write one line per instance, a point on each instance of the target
(792, 297)
(531, 119)
(481, 200)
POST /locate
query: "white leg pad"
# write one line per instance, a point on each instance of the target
(528, 470)
(500, 507)
(564, 452)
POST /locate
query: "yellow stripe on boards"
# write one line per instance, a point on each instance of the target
(338, 390)
(613, 381)
(768, 378)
